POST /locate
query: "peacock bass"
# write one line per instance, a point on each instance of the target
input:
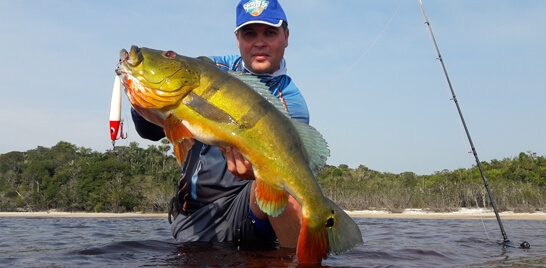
(193, 99)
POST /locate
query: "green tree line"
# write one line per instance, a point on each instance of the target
(133, 179)
(518, 184)
(70, 178)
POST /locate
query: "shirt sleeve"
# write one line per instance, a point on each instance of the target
(227, 63)
(145, 129)
(297, 107)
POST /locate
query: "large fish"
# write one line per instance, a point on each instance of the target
(192, 99)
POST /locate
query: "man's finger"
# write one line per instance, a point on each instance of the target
(242, 168)
(228, 154)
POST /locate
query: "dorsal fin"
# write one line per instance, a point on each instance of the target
(255, 83)
(314, 144)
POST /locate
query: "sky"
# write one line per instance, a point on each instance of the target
(367, 69)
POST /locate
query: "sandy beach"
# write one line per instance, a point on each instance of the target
(408, 213)
(463, 213)
(82, 214)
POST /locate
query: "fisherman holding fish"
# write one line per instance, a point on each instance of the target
(223, 113)
(216, 196)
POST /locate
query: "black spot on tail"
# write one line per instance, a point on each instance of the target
(330, 221)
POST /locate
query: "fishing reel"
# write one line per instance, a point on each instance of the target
(508, 244)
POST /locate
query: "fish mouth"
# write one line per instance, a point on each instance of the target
(132, 58)
(144, 87)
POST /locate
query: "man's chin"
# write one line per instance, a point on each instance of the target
(261, 68)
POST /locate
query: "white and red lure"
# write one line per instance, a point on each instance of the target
(116, 124)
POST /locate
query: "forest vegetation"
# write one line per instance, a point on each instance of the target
(66, 177)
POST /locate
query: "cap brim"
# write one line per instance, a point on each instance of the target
(259, 22)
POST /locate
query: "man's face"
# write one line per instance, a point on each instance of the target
(262, 47)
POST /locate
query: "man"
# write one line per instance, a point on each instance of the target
(215, 200)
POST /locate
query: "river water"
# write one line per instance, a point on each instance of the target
(147, 242)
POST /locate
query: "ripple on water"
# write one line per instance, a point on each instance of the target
(69, 242)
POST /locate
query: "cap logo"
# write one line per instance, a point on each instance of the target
(255, 7)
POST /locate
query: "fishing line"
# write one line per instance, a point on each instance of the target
(485, 228)
(369, 47)
(506, 242)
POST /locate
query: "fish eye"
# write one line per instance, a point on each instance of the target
(169, 54)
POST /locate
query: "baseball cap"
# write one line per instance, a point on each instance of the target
(259, 11)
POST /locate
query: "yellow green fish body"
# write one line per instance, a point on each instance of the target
(192, 99)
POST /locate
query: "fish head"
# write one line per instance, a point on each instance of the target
(155, 78)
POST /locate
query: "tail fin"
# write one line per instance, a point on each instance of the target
(344, 235)
(335, 233)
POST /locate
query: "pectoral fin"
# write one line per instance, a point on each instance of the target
(270, 199)
(179, 135)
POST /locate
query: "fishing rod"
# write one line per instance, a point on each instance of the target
(506, 242)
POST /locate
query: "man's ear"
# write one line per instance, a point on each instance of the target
(237, 37)
(287, 33)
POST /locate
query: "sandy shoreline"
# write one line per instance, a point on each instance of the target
(461, 214)
(81, 214)
(407, 214)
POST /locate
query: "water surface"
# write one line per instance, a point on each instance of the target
(145, 242)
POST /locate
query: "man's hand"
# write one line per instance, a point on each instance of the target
(237, 164)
